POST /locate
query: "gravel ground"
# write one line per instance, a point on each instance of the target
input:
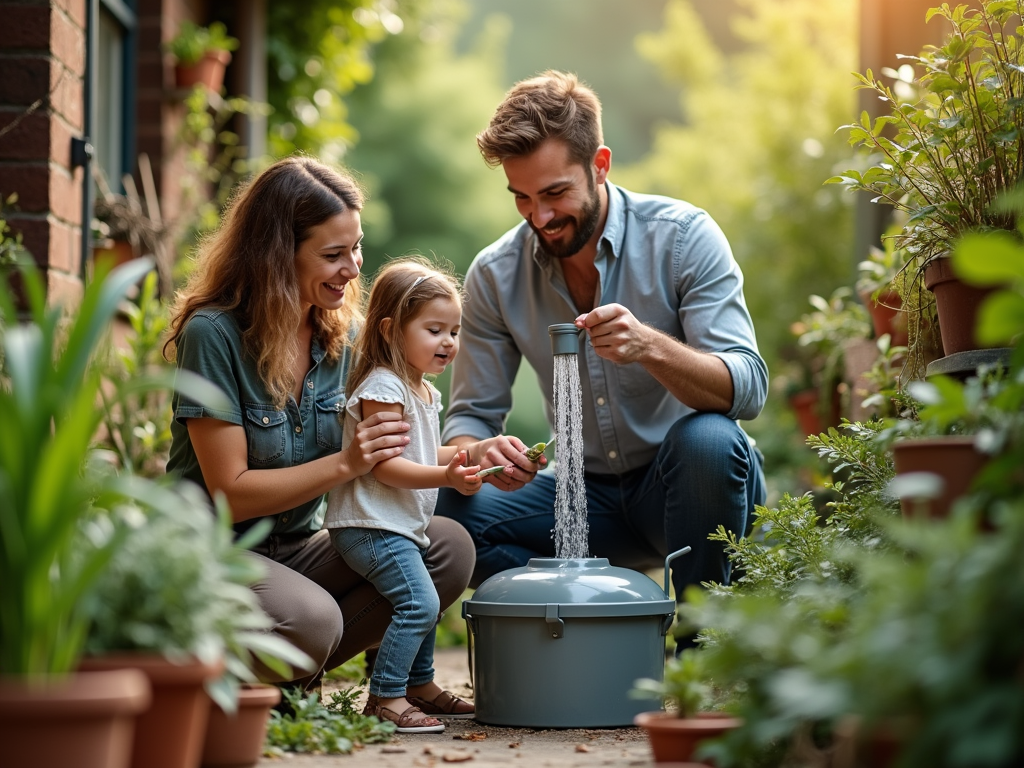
(486, 746)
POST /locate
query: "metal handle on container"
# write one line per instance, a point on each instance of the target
(668, 560)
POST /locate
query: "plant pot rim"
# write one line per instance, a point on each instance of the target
(934, 440)
(702, 720)
(159, 668)
(117, 690)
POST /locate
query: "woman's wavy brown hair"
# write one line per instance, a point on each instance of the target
(397, 297)
(247, 267)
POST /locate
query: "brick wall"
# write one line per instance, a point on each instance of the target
(42, 64)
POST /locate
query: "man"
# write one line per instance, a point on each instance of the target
(669, 365)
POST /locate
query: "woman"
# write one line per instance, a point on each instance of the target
(268, 316)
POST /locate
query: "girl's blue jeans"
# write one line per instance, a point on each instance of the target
(394, 565)
(705, 474)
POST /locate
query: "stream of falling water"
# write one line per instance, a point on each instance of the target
(571, 527)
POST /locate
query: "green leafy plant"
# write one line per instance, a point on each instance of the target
(11, 248)
(52, 488)
(950, 144)
(684, 689)
(313, 727)
(136, 422)
(821, 336)
(193, 42)
(178, 586)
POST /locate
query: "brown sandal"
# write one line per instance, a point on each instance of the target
(412, 720)
(445, 704)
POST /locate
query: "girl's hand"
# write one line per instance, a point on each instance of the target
(462, 478)
(378, 437)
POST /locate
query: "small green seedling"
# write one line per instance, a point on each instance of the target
(491, 471)
(535, 452)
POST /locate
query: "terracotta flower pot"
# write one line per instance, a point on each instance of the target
(957, 306)
(888, 316)
(674, 739)
(954, 458)
(170, 733)
(85, 720)
(209, 71)
(237, 740)
(806, 407)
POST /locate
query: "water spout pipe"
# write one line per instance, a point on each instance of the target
(565, 338)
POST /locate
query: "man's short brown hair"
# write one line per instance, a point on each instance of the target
(552, 105)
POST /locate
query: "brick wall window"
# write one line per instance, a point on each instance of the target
(114, 131)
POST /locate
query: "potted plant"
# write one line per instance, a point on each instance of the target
(822, 338)
(49, 494)
(979, 422)
(201, 55)
(877, 290)
(948, 147)
(175, 601)
(676, 735)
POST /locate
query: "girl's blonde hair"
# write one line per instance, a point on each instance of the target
(247, 267)
(401, 289)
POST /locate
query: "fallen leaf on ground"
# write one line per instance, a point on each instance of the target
(474, 736)
(514, 745)
(393, 750)
(456, 757)
(582, 748)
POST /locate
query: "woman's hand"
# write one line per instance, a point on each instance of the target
(462, 478)
(378, 437)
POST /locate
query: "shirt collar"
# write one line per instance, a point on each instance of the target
(615, 225)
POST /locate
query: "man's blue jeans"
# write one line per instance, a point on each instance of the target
(394, 565)
(705, 474)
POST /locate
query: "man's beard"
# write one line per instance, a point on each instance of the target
(584, 226)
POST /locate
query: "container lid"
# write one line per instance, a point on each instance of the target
(586, 587)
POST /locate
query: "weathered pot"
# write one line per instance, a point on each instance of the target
(236, 740)
(888, 316)
(675, 739)
(209, 71)
(957, 306)
(170, 733)
(806, 406)
(954, 458)
(84, 720)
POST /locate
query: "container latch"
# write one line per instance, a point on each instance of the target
(555, 625)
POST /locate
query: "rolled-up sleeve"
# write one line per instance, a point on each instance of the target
(483, 372)
(204, 349)
(714, 315)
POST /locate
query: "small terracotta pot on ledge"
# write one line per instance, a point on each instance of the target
(209, 71)
(674, 739)
(957, 305)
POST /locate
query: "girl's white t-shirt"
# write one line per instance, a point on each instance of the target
(367, 503)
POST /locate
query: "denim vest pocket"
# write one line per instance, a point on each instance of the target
(634, 380)
(265, 433)
(330, 413)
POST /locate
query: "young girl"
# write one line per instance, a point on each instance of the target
(378, 522)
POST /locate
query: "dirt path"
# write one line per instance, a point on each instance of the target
(484, 746)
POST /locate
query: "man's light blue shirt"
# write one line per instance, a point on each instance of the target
(669, 264)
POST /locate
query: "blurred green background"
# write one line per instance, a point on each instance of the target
(732, 105)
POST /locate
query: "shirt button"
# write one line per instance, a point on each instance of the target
(298, 430)
(612, 455)
(266, 420)
(600, 401)
(309, 384)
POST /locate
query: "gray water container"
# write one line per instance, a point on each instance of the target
(560, 643)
